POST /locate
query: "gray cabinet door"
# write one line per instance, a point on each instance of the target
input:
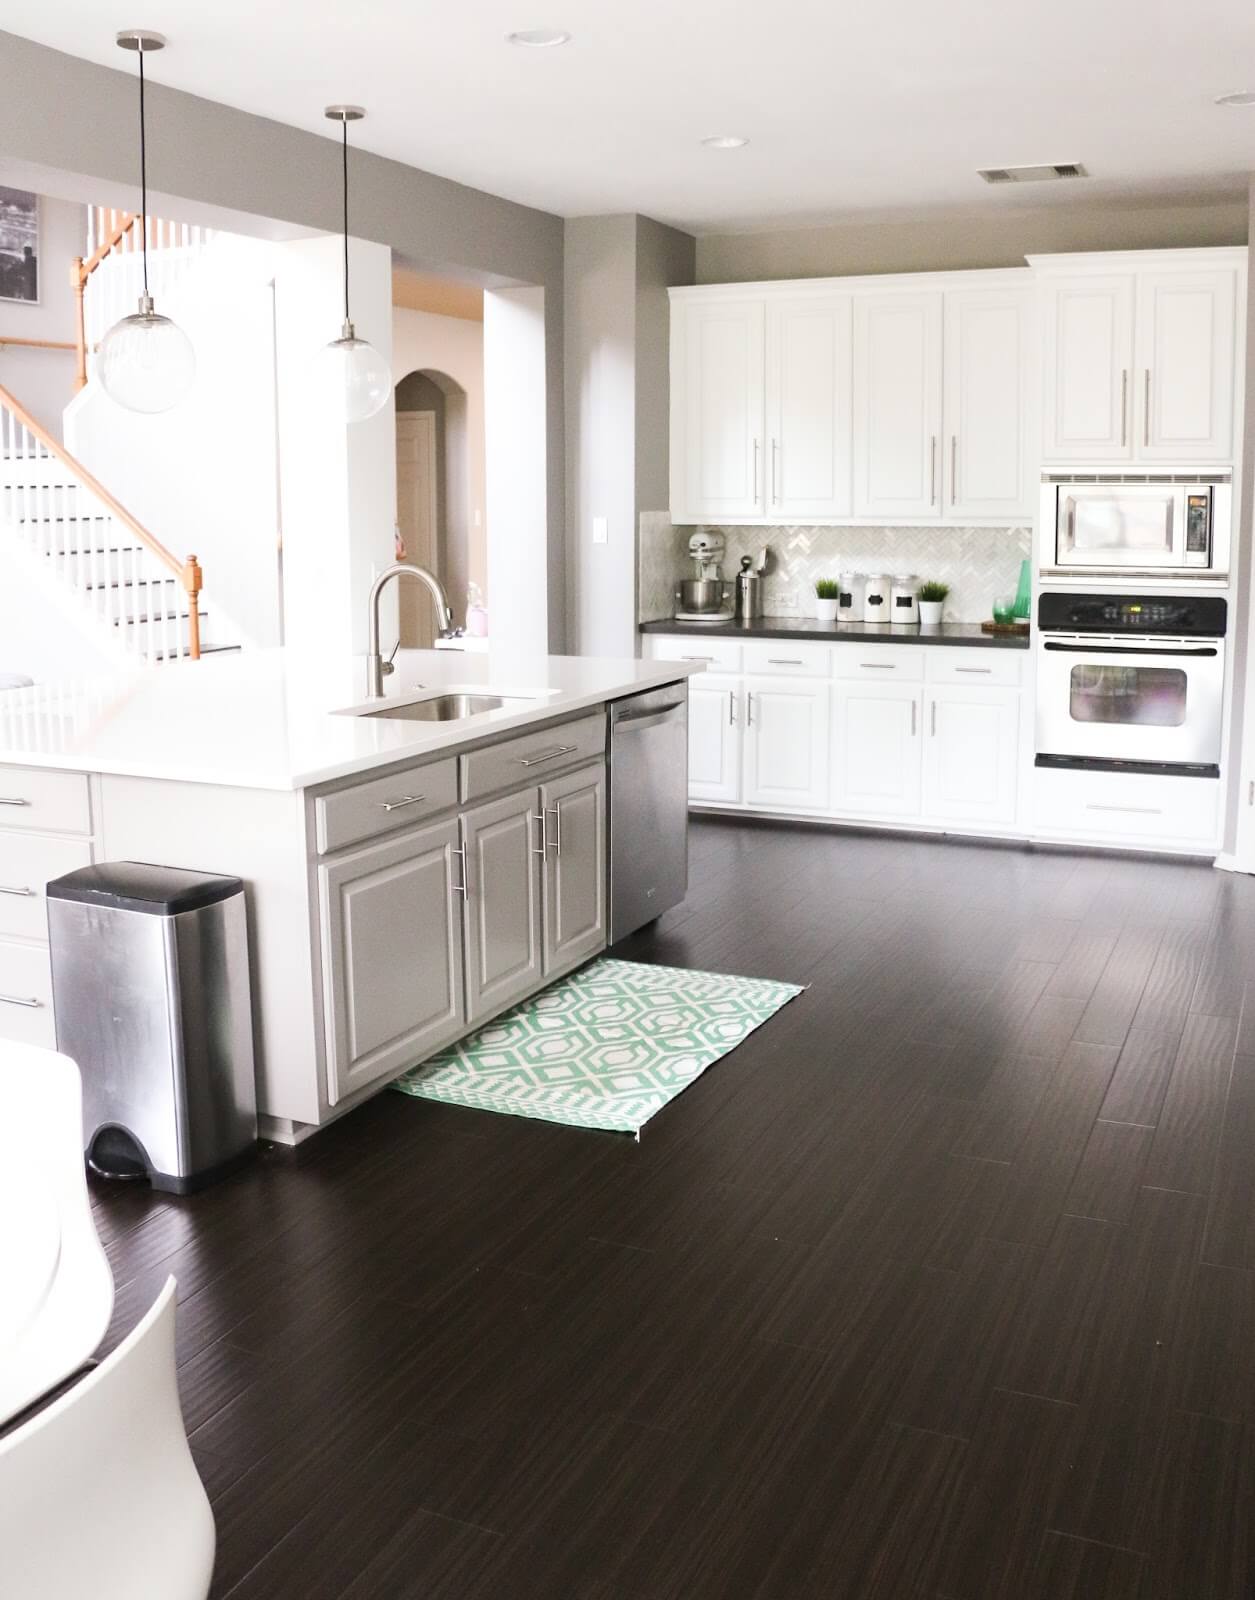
(575, 866)
(392, 956)
(502, 919)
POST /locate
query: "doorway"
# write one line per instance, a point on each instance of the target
(433, 495)
(418, 519)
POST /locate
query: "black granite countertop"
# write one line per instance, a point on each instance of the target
(952, 633)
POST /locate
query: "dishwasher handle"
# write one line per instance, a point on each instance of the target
(633, 720)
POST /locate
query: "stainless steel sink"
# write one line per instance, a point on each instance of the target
(445, 707)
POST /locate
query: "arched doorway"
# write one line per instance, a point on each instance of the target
(433, 494)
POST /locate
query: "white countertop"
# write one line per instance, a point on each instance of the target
(266, 719)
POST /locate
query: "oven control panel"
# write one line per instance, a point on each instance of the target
(1178, 615)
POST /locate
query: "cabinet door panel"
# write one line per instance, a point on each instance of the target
(503, 944)
(808, 407)
(1088, 404)
(720, 411)
(876, 750)
(575, 866)
(970, 754)
(786, 744)
(897, 405)
(392, 956)
(988, 366)
(715, 739)
(1185, 355)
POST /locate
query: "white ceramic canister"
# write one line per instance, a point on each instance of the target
(876, 592)
(904, 599)
(850, 606)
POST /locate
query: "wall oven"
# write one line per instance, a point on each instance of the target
(1131, 682)
(1136, 525)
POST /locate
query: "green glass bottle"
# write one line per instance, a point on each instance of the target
(1024, 595)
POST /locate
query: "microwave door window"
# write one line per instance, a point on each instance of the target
(1139, 697)
(1112, 526)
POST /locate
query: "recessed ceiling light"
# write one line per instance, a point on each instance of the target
(724, 141)
(538, 38)
(1239, 97)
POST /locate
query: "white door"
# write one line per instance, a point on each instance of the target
(876, 749)
(417, 520)
(715, 739)
(897, 405)
(1088, 356)
(970, 753)
(718, 415)
(786, 744)
(808, 408)
(988, 371)
(392, 956)
(1185, 353)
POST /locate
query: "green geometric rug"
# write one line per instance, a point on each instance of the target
(605, 1048)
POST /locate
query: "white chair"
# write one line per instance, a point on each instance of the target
(99, 1495)
(56, 1290)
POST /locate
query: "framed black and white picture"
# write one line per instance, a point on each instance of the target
(19, 245)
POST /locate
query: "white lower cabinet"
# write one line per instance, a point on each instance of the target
(970, 754)
(392, 972)
(786, 744)
(715, 739)
(875, 749)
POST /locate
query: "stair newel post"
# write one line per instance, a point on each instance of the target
(78, 283)
(192, 580)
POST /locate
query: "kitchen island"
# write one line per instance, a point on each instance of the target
(403, 882)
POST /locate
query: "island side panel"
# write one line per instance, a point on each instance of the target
(257, 835)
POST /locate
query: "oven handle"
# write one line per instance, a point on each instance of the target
(1127, 650)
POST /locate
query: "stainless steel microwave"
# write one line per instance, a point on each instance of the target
(1137, 525)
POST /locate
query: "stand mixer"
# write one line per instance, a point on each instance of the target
(705, 597)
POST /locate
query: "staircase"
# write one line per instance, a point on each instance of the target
(121, 584)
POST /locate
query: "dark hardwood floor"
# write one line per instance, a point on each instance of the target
(942, 1285)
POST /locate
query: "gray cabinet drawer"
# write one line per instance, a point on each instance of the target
(26, 995)
(48, 802)
(28, 862)
(532, 758)
(383, 804)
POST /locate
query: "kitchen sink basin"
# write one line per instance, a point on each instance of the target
(446, 707)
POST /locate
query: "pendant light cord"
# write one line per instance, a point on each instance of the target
(143, 173)
(344, 129)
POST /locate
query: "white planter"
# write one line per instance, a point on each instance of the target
(826, 610)
(930, 612)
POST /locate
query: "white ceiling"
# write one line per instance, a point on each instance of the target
(851, 108)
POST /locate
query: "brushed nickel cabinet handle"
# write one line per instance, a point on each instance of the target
(697, 658)
(24, 891)
(749, 709)
(1124, 406)
(732, 710)
(775, 456)
(20, 1000)
(933, 728)
(879, 666)
(405, 800)
(1146, 410)
(463, 887)
(932, 471)
(542, 849)
(757, 447)
(984, 670)
(557, 826)
(784, 661)
(6, 801)
(914, 719)
(954, 468)
(549, 755)
(1138, 811)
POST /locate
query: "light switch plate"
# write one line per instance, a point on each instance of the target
(601, 530)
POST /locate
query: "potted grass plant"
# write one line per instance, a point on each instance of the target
(932, 602)
(827, 597)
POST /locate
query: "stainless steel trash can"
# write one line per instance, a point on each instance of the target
(150, 994)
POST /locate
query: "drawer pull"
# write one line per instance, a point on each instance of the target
(879, 666)
(783, 661)
(697, 658)
(18, 1000)
(24, 892)
(549, 755)
(5, 801)
(1136, 811)
(405, 800)
(557, 827)
(985, 670)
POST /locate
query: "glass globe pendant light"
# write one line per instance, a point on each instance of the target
(357, 377)
(145, 362)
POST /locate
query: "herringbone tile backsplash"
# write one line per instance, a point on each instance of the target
(978, 563)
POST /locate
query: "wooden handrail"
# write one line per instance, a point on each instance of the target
(188, 572)
(37, 344)
(80, 271)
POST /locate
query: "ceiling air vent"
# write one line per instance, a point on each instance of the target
(1038, 174)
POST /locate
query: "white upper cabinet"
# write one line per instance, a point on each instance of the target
(897, 405)
(1088, 358)
(1185, 361)
(718, 410)
(808, 408)
(1140, 364)
(988, 472)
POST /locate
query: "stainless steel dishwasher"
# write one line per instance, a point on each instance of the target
(649, 860)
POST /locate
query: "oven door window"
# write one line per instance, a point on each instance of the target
(1138, 697)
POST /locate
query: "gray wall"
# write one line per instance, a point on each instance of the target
(617, 404)
(43, 380)
(998, 237)
(205, 152)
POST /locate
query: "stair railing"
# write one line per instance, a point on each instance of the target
(42, 505)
